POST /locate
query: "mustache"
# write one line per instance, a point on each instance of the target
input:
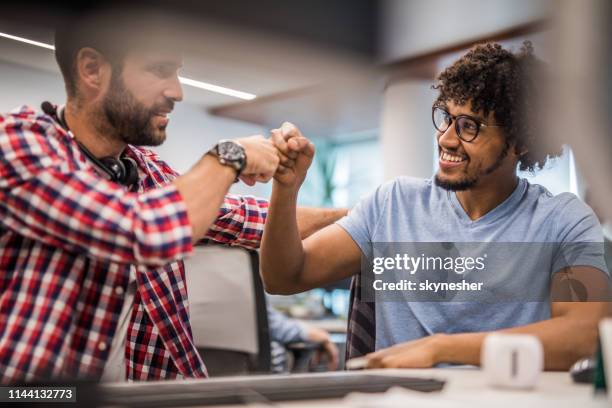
(167, 106)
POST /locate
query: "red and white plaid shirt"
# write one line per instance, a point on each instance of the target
(68, 240)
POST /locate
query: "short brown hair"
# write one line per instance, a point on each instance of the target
(113, 32)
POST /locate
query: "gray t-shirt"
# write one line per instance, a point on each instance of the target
(416, 210)
(115, 367)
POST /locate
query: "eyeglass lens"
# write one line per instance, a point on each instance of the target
(466, 128)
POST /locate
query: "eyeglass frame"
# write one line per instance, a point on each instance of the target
(453, 118)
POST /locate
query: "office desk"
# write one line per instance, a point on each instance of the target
(330, 325)
(466, 387)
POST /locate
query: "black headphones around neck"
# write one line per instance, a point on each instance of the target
(123, 170)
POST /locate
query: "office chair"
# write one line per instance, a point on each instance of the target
(227, 309)
(361, 330)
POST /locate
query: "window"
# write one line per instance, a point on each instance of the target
(342, 172)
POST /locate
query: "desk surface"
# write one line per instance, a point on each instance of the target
(331, 325)
(467, 387)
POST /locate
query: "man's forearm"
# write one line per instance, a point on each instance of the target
(565, 339)
(204, 199)
(310, 220)
(282, 254)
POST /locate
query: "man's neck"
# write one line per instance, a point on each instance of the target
(484, 197)
(81, 124)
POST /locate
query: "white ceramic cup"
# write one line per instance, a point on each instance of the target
(512, 360)
(605, 336)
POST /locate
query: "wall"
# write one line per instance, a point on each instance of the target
(407, 133)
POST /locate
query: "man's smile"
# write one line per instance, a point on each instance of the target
(449, 160)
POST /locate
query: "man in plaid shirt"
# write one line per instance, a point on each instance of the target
(90, 269)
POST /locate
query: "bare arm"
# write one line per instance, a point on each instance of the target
(204, 199)
(203, 188)
(570, 334)
(311, 220)
(288, 264)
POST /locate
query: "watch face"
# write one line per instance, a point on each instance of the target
(230, 151)
(231, 154)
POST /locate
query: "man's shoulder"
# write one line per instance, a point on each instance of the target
(24, 115)
(546, 201)
(31, 127)
(566, 210)
(23, 112)
(570, 208)
(148, 158)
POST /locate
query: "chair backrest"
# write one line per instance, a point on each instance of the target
(228, 310)
(361, 329)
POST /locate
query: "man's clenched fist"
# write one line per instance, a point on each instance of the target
(262, 159)
(295, 152)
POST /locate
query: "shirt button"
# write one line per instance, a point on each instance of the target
(102, 346)
(119, 290)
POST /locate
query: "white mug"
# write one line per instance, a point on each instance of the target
(605, 336)
(512, 360)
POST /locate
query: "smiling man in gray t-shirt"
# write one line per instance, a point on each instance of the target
(551, 246)
(412, 210)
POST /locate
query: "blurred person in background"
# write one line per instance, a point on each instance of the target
(284, 331)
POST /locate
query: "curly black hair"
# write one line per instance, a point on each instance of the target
(511, 86)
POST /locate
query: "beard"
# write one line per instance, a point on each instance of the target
(128, 119)
(468, 181)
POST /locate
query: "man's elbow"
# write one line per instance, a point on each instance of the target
(279, 290)
(277, 287)
(584, 344)
(588, 344)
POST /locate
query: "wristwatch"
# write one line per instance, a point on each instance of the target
(231, 154)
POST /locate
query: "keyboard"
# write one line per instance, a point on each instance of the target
(257, 389)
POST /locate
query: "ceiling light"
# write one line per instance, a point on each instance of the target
(187, 81)
(25, 40)
(218, 89)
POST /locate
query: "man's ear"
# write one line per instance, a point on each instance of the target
(92, 69)
(520, 152)
(517, 149)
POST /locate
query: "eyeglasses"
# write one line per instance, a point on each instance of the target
(467, 127)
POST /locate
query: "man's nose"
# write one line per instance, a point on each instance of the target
(175, 90)
(449, 139)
